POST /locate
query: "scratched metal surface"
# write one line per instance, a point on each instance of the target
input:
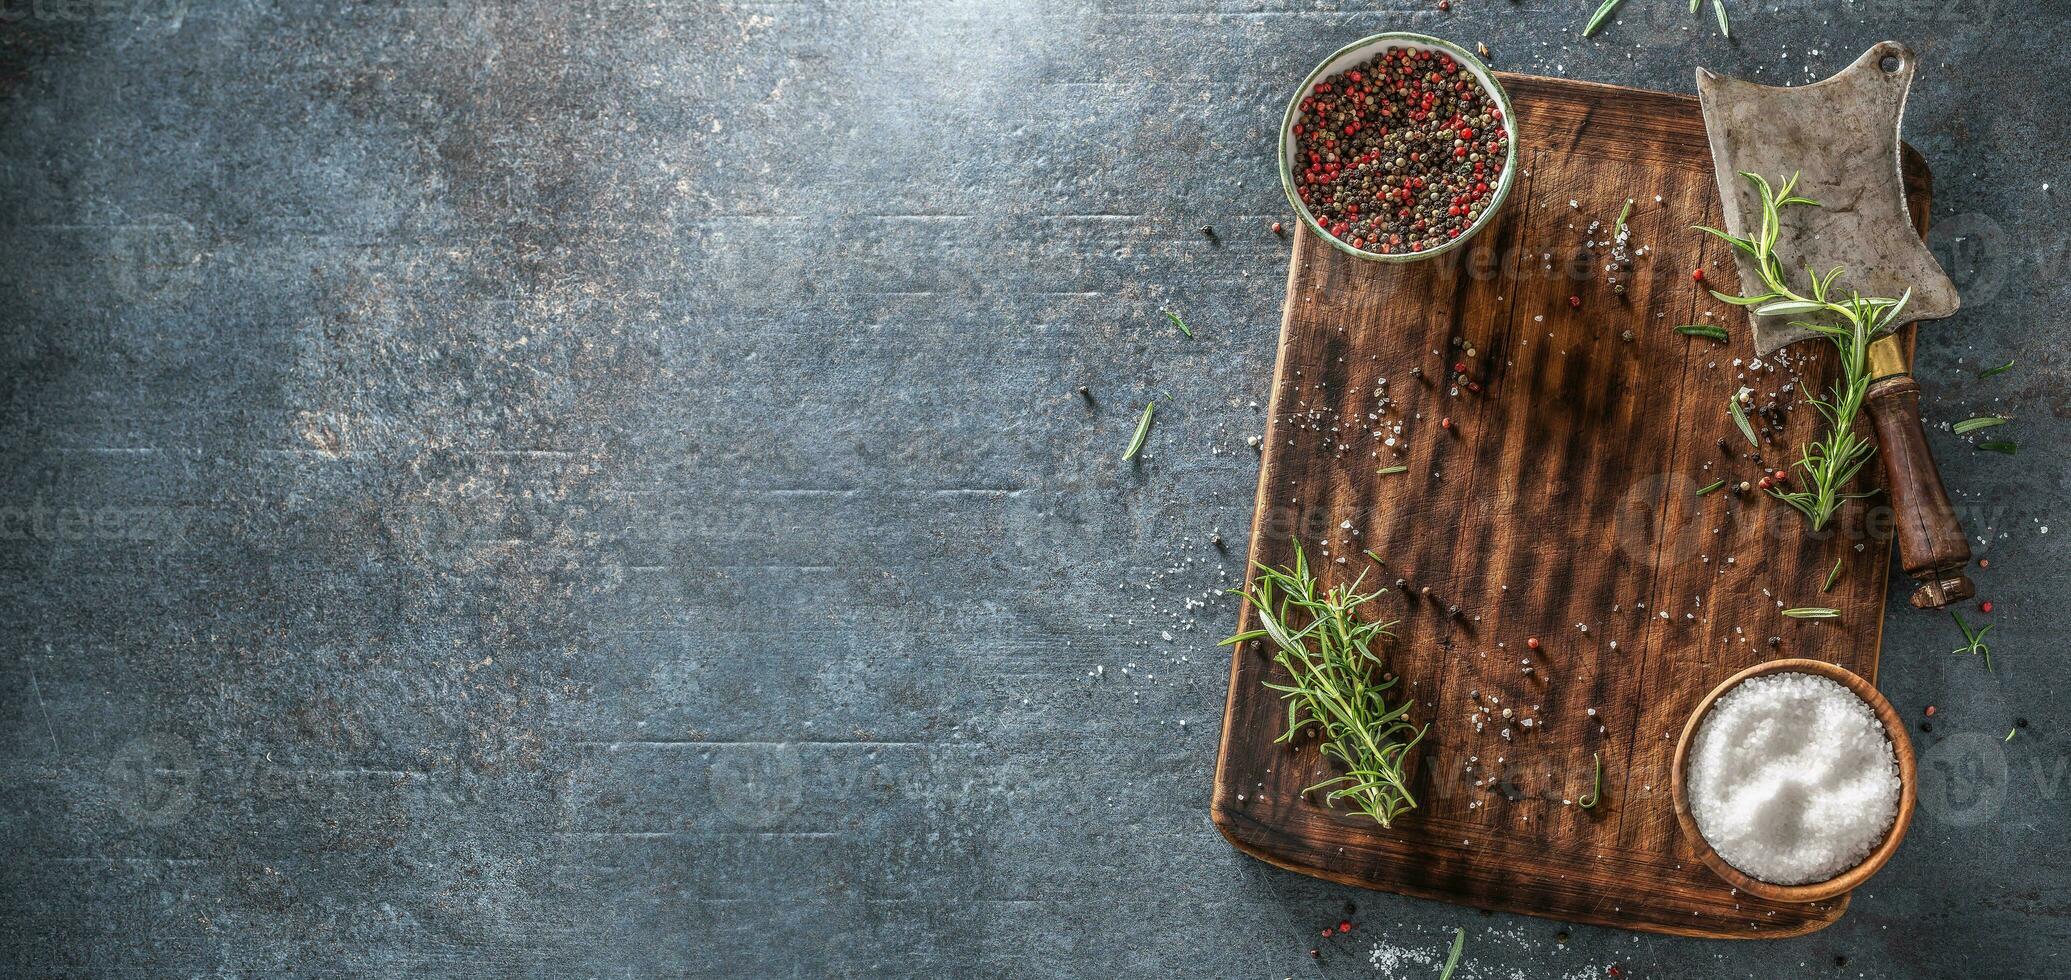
(598, 489)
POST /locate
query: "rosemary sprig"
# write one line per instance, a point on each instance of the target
(1992, 371)
(1334, 685)
(1973, 640)
(1968, 426)
(1698, 330)
(1832, 461)
(1596, 786)
(1833, 576)
(1143, 429)
(1460, 943)
(2006, 446)
(1813, 612)
(1181, 324)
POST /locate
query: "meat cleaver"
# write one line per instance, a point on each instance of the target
(1842, 135)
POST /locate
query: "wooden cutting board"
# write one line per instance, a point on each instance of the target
(1563, 498)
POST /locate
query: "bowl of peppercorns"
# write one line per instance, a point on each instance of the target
(1397, 148)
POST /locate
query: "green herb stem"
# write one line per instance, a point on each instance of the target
(1968, 426)
(1813, 612)
(1697, 330)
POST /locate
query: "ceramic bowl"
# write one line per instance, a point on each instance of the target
(1357, 52)
(1818, 891)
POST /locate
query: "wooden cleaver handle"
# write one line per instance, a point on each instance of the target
(1931, 545)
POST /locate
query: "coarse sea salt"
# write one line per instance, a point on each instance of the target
(1792, 779)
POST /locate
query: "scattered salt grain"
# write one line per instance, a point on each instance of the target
(1792, 778)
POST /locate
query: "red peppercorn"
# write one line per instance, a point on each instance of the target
(1575, 301)
(1984, 563)
(1447, 423)
(1930, 711)
(1697, 275)
(1985, 606)
(1459, 367)
(1344, 927)
(1780, 476)
(1326, 931)
(1532, 641)
(1276, 227)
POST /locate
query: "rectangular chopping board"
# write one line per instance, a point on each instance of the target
(1561, 504)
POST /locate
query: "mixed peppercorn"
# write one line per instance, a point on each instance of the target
(1399, 154)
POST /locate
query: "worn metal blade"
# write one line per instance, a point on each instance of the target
(1842, 136)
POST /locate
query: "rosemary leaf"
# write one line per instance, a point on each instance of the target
(1832, 577)
(1596, 787)
(1813, 612)
(1693, 5)
(2009, 734)
(1452, 959)
(1618, 227)
(1740, 418)
(1597, 19)
(2006, 446)
(1143, 429)
(1968, 426)
(1718, 7)
(1385, 470)
(2001, 369)
(1707, 488)
(1181, 324)
(1696, 330)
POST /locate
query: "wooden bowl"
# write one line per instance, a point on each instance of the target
(1818, 891)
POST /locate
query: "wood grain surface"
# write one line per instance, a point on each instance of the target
(1561, 505)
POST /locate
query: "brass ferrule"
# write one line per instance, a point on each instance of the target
(1887, 357)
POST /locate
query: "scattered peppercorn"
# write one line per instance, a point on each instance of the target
(1402, 151)
(1984, 563)
(1532, 642)
(1447, 423)
(1927, 726)
(1345, 926)
(1930, 711)
(2020, 723)
(1697, 275)
(1985, 606)
(1459, 367)
(1575, 301)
